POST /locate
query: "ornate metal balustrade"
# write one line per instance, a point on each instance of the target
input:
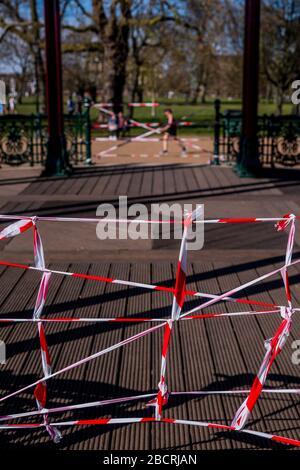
(278, 137)
(23, 138)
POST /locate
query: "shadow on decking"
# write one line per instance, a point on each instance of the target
(70, 392)
(278, 178)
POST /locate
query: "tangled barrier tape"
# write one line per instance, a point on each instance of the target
(150, 130)
(159, 399)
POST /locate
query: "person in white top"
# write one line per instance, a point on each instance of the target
(12, 104)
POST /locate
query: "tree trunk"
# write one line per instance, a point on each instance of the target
(116, 50)
(296, 109)
(41, 76)
(137, 89)
(279, 101)
(37, 54)
(195, 94)
(22, 82)
(140, 94)
(203, 94)
(200, 92)
(134, 91)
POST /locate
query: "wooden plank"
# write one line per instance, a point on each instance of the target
(111, 188)
(221, 346)
(135, 367)
(135, 183)
(102, 183)
(158, 184)
(190, 179)
(201, 179)
(147, 183)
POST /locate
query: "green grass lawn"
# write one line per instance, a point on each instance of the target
(202, 113)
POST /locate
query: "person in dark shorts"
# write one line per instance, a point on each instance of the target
(122, 125)
(170, 132)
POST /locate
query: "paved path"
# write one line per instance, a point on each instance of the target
(210, 354)
(105, 151)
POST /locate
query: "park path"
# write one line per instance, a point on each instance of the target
(210, 354)
(109, 152)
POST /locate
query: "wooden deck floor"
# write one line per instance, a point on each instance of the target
(210, 354)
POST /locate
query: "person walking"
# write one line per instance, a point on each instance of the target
(113, 126)
(12, 104)
(70, 105)
(170, 133)
(79, 100)
(122, 125)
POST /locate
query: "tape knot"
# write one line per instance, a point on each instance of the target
(286, 312)
(282, 224)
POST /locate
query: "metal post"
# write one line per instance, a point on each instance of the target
(248, 160)
(87, 106)
(216, 159)
(37, 85)
(56, 151)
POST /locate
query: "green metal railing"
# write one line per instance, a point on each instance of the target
(23, 138)
(278, 137)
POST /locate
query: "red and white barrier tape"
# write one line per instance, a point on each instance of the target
(274, 345)
(132, 105)
(143, 105)
(64, 408)
(181, 274)
(226, 220)
(178, 301)
(139, 124)
(105, 126)
(157, 130)
(40, 391)
(138, 284)
(114, 421)
(135, 319)
(237, 289)
(16, 229)
(161, 398)
(288, 255)
(145, 396)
